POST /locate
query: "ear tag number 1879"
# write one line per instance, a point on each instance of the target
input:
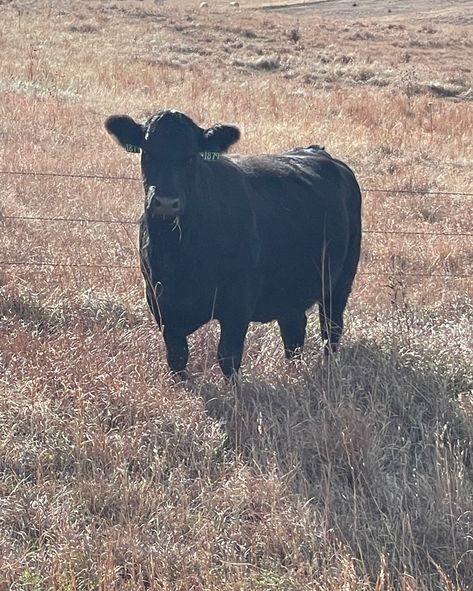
(210, 155)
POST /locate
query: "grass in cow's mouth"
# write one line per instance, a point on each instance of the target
(176, 225)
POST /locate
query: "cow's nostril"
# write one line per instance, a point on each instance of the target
(167, 206)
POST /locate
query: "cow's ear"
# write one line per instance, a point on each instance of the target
(220, 137)
(127, 132)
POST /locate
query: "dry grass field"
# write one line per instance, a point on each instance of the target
(351, 475)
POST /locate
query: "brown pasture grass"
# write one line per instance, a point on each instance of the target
(349, 475)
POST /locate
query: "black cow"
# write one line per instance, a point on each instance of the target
(240, 238)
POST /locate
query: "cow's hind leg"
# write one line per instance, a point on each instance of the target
(332, 306)
(331, 318)
(177, 351)
(331, 327)
(292, 328)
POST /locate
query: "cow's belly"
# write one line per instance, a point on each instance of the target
(277, 301)
(292, 274)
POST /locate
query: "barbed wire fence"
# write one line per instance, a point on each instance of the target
(127, 222)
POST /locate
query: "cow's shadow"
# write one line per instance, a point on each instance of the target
(337, 412)
(373, 428)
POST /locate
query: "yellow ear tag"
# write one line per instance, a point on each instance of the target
(133, 149)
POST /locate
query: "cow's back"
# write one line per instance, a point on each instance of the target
(307, 207)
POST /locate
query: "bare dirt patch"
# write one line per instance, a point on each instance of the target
(456, 12)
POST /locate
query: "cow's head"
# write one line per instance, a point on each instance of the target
(171, 145)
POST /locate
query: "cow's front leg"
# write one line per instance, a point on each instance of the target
(177, 350)
(292, 327)
(230, 346)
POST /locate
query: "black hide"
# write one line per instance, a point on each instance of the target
(256, 238)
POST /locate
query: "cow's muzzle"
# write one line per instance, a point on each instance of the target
(166, 206)
(163, 206)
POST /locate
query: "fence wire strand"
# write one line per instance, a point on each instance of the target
(66, 265)
(126, 222)
(399, 274)
(136, 222)
(67, 219)
(103, 177)
(70, 175)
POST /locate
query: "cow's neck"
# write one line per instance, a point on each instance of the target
(168, 239)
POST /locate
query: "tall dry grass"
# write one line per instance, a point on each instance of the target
(352, 475)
